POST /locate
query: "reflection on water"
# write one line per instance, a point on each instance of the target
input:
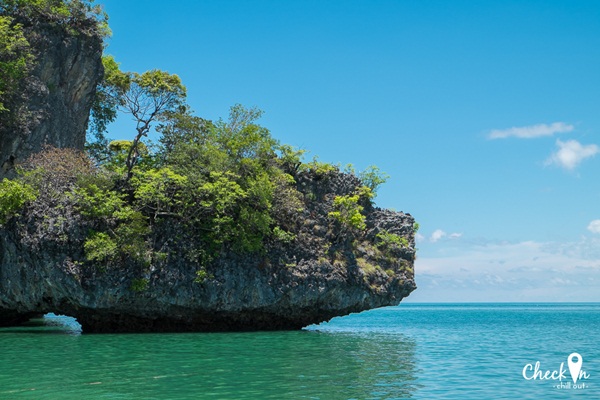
(263, 365)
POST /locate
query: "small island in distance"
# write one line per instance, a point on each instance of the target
(217, 227)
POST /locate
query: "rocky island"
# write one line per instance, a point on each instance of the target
(216, 227)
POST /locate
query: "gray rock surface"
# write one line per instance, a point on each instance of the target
(55, 104)
(287, 287)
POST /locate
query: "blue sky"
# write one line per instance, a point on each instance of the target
(485, 115)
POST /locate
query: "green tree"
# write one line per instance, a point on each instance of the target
(148, 97)
(235, 188)
(119, 229)
(290, 158)
(159, 192)
(183, 135)
(247, 144)
(372, 177)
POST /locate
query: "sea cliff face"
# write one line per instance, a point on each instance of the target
(318, 275)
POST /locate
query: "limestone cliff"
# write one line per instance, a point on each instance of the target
(54, 102)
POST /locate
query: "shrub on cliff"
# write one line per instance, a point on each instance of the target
(56, 170)
(348, 213)
(13, 196)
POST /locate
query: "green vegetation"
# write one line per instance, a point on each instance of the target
(221, 185)
(348, 212)
(373, 178)
(140, 285)
(213, 186)
(76, 16)
(387, 240)
(283, 236)
(100, 247)
(319, 168)
(202, 275)
(13, 196)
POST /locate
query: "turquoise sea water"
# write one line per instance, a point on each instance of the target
(453, 351)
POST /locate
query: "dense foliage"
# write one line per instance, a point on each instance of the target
(77, 16)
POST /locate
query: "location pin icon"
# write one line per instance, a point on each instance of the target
(575, 366)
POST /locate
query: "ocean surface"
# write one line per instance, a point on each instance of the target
(420, 351)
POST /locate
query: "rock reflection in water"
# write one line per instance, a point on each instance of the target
(259, 365)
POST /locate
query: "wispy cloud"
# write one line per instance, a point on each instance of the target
(533, 131)
(439, 234)
(594, 226)
(524, 271)
(571, 153)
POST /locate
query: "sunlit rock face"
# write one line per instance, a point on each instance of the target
(55, 100)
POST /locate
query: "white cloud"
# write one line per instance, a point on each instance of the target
(594, 226)
(533, 131)
(437, 235)
(571, 153)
